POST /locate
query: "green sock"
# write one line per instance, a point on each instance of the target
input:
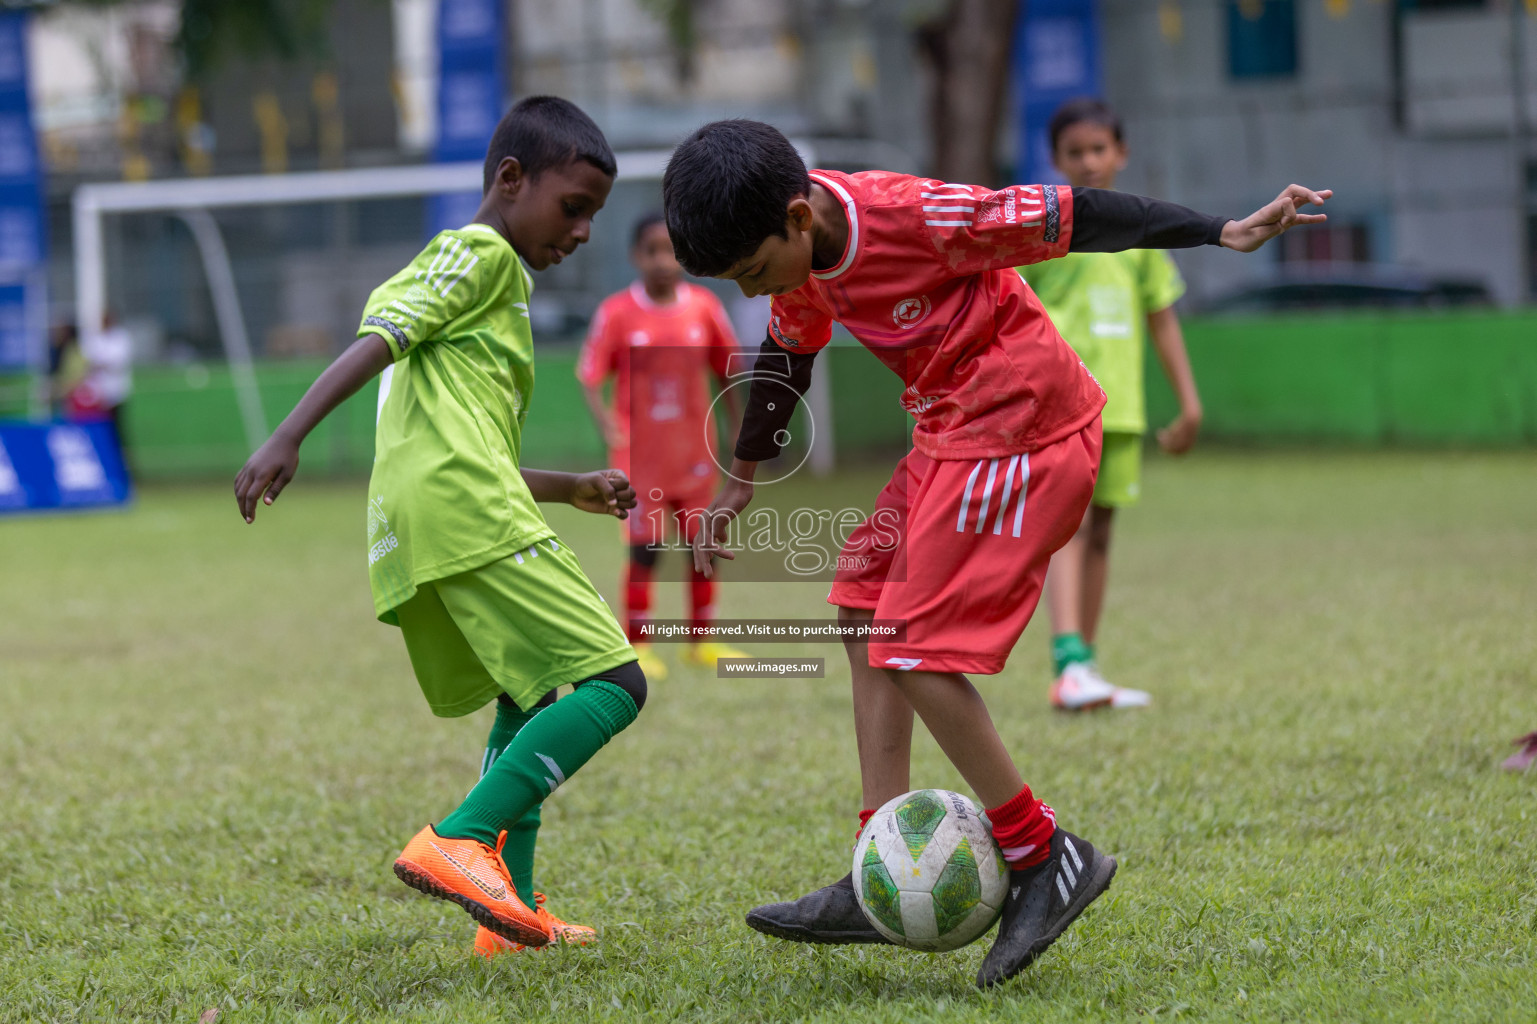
(1069, 649)
(524, 833)
(546, 752)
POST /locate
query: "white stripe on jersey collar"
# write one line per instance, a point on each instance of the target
(853, 215)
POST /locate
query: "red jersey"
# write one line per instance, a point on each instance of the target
(928, 284)
(661, 358)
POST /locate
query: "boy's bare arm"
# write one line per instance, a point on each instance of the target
(268, 471)
(605, 491)
(1169, 342)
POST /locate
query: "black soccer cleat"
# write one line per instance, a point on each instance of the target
(1043, 900)
(830, 915)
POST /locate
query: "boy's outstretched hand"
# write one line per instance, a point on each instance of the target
(1274, 218)
(607, 492)
(710, 537)
(266, 473)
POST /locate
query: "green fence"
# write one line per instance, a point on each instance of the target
(1454, 379)
(1449, 379)
(184, 421)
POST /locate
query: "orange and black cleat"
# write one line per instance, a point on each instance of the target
(471, 874)
(489, 944)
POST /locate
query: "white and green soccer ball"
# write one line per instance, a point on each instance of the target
(928, 873)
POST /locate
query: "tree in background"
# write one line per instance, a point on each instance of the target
(213, 29)
(965, 43)
(968, 49)
(178, 66)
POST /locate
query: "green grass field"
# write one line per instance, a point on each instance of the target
(211, 753)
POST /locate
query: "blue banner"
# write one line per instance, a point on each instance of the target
(22, 236)
(60, 466)
(1056, 58)
(472, 76)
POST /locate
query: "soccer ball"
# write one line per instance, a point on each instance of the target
(928, 872)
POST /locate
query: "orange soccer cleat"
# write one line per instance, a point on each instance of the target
(471, 874)
(489, 944)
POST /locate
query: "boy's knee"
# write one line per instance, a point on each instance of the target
(644, 555)
(1100, 520)
(629, 678)
(854, 616)
(504, 701)
(850, 618)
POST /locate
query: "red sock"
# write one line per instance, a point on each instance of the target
(701, 598)
(864, 819)
(1023, 828)
(637, 599)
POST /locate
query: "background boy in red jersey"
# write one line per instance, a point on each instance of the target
(661, 339)
(1006, 449)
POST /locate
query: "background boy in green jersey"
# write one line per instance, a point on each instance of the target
(491, 604)
(1104, 304)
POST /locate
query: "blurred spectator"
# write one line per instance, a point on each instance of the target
(66, 366)
(108, 375)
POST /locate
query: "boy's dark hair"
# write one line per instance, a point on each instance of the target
(1080, 109)
(647, 221)
(725, 191)
(542, 132)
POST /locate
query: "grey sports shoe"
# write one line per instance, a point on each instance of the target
(829, 915)
(1043, 900)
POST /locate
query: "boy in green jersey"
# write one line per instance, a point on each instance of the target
(491, 604)
(1105, 304)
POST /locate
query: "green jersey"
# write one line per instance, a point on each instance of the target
(1100, 302)
(446, 495)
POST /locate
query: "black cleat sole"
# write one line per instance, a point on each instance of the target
(791, 933)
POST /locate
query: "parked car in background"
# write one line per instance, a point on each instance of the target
(1349, 286)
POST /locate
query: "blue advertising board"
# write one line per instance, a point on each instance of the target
(1056, 58)
(472, 45)
(47, 466)
(22, 237)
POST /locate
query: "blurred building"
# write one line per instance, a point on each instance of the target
(1418, 113)
(114, 104)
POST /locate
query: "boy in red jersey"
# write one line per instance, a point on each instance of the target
(1006, 450)
(661, 339)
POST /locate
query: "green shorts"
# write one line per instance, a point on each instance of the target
(1120, 471)
(522, 625)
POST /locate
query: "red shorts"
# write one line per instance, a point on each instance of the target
(958, 550)
(660, 500)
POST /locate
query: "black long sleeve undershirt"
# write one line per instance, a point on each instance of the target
(1103, 221)
(1106, 221)
(780, 380)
